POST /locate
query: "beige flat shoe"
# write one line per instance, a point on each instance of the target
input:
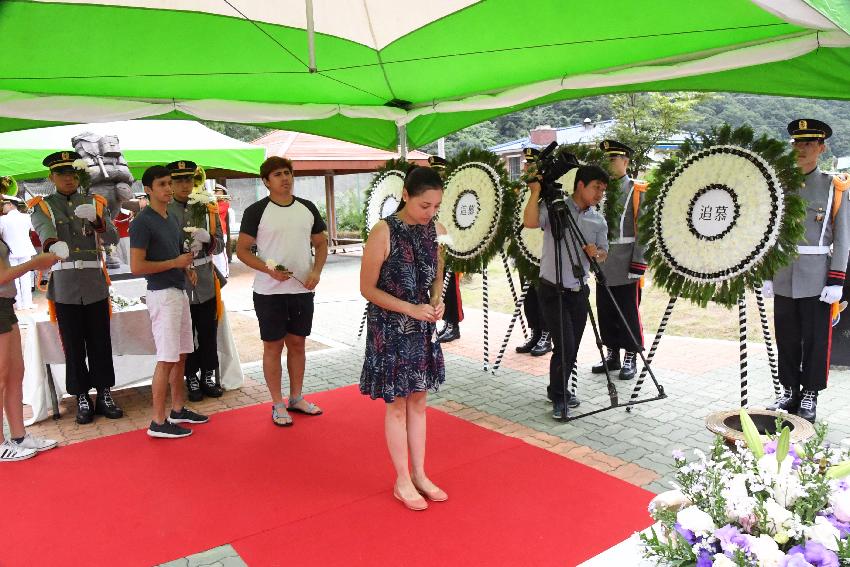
(417, 504)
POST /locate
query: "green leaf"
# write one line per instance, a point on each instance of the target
(783, 445)
(838, 471)
(751, 434)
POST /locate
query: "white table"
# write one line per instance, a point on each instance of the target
(133, 354)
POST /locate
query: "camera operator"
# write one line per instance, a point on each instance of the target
(590, 184)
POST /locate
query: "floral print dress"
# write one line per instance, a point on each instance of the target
(401, 353)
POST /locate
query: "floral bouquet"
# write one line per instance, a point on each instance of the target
(767, 504)
(121, 303)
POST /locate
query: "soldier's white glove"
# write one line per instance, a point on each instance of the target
(831, 294)
(767, 289)
(201, 235)
(61, 249)
(86, 211)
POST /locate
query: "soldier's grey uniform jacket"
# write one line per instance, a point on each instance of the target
(818, 266)
(204, 267)
(83, 285)
(625, 251)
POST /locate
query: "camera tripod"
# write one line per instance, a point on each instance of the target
(566, 231)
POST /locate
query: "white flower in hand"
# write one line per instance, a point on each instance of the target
(80, 164)
(444, 239)
(190, 229)
(201, 235)
(271, 264)
(60, 249)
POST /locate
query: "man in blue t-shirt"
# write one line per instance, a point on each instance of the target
(156, 252)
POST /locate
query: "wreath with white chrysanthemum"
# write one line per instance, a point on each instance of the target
(384, 193)
(475, 209)
(722, 216)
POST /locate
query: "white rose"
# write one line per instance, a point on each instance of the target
(777, 516)
(271, 264)
(80, 164)
(695, 520)
(840, 502)
(672, 499)
(721, 560)
(444, 239)
(824, 533)
(190, 229)
(766, 551)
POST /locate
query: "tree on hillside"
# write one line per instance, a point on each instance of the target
(646, 119)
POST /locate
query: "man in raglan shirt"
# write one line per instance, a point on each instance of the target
(284, 228)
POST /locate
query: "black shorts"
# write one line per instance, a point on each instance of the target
(284, 313)
(7, 315)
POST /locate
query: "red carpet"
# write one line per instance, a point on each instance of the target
(318, 493)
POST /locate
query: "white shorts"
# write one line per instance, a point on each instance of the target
(171, 323)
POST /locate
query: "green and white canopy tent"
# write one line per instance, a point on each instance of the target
(369, 70)
(143, 142)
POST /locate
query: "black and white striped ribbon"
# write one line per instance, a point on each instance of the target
(486, 319)
(514, 317)
(363, 321)
(446, 279)
(574, 379)
(658, 334)
(742, 328)
(513, 290)
(768, 343)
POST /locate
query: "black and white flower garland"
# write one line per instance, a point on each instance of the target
(747, 184)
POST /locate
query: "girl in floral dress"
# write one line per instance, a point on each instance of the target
(401, 277)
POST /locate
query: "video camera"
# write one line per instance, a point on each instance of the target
(551, 166)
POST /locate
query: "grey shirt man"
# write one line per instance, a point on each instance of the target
(595, 230)
(204, 267)
(810, 272)
(78, 286)
(625, 249)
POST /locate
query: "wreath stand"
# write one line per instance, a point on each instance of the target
(742, 337)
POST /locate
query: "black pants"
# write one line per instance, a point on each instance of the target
(574, 321)
(531, 308)
(453, 302)
(615, 334)
(803, 340)
(205, 328)
(84, 330)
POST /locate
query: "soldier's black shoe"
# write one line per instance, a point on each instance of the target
(193, 387)
(543, 346)
(526, 347)
(613, 360)
(789, 401)
(104, 405)
(449, 334)
(808, 405)
(208, 386)
(627, 372)
(85, 411)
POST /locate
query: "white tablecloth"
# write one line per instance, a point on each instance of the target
(133, 353)
(627, 553)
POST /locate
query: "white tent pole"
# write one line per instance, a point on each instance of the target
(441, 147)
(402, 141)
(311, 40)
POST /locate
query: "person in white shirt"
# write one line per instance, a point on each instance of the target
(15, 228)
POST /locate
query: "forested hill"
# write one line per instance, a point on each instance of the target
(766, 114)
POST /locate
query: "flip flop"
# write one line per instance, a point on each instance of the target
(280, 416)
(312, 409)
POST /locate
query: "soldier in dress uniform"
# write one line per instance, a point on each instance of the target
(806, 290)
(623, 269)
(204, 296)
(76, 227)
